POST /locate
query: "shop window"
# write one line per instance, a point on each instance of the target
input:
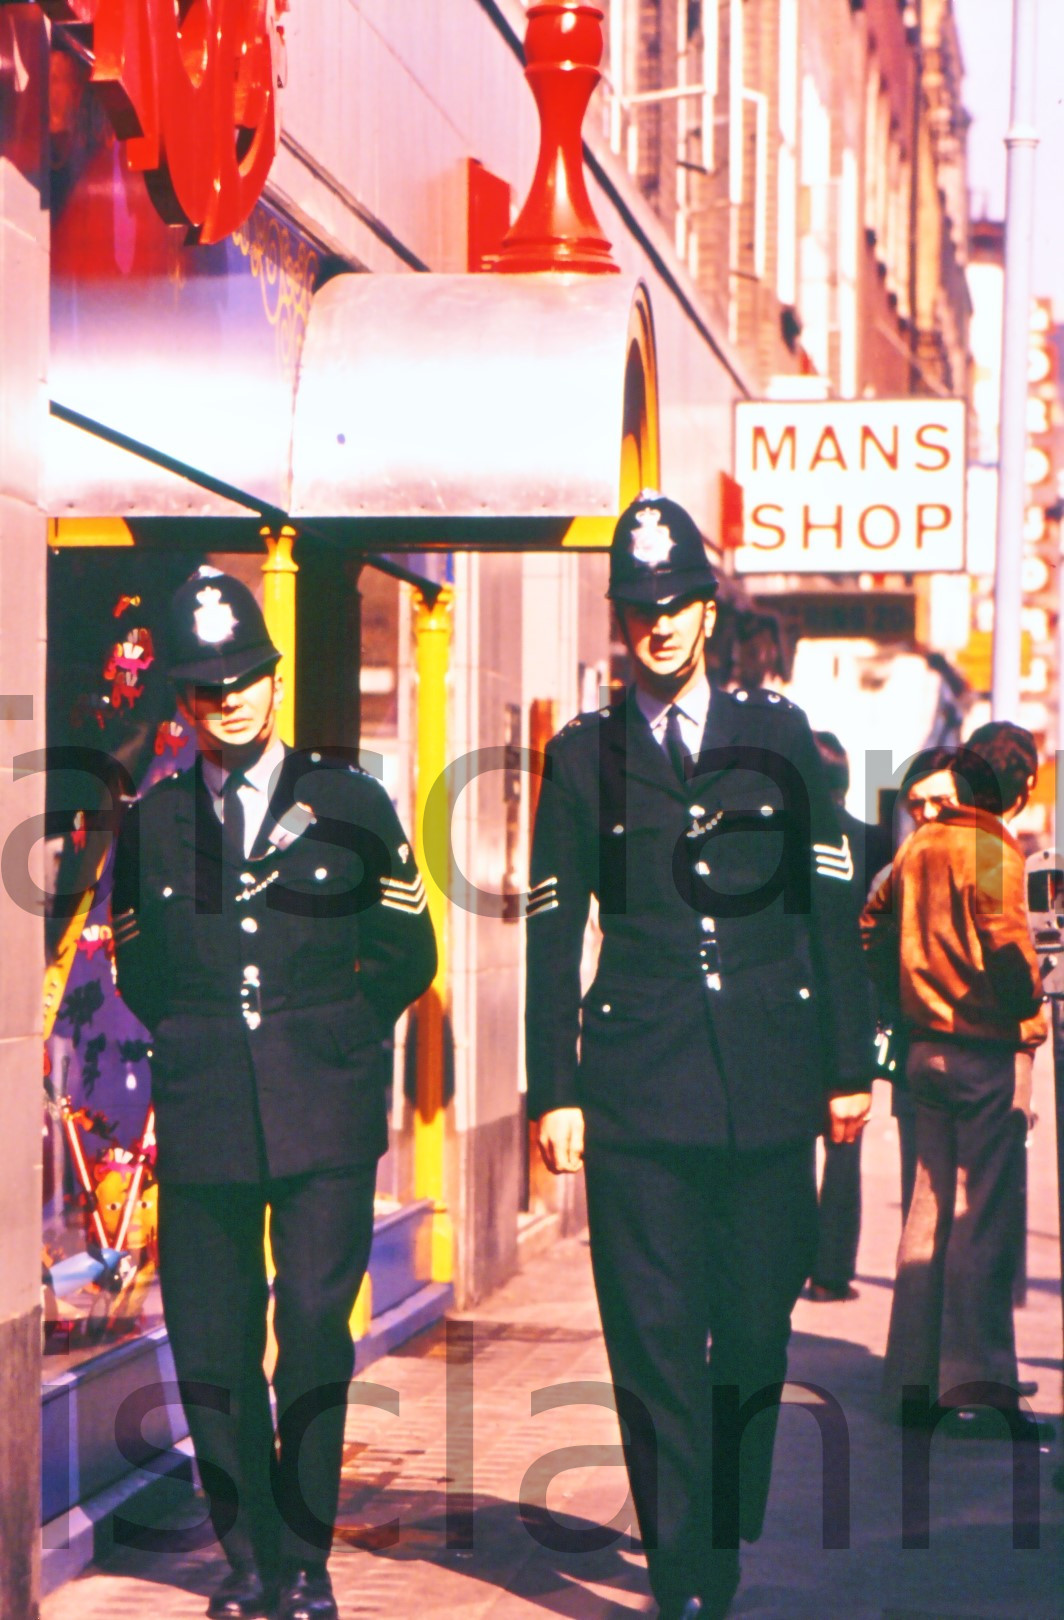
(112, 726)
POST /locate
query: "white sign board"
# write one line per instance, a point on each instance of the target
(851, 486)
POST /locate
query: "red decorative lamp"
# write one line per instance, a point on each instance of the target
(557, 229)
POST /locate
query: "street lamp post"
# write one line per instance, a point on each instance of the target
(1020, 141)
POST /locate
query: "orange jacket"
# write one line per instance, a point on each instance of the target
(946, 933)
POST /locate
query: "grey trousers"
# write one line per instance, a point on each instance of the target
(951, 1321)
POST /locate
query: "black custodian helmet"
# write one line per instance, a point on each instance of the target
(217, 632)
(657, 555)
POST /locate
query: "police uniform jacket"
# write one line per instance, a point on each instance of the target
(271, 987)
(730, 1000)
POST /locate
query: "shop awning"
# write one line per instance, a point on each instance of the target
(463, 396)
(460, 399)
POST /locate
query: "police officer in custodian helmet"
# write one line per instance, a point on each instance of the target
(728, 1019)
(270, 927)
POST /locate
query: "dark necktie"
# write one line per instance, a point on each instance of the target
(675, 746)
(233, 819)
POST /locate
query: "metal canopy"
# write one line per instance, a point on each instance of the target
(465, 396)
(474, 399)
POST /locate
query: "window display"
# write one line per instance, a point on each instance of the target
(112, 731)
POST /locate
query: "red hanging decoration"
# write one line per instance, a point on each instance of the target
(557, 229)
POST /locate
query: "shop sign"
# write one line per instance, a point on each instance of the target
(191, 90)
(851, 486)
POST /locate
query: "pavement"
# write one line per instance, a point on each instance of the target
(482, 1471)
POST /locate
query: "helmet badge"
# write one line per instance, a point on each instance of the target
(652, 540)
(215, 620)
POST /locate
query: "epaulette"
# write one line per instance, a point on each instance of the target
(342, 762)
(166, 784)
(761, 697)
(588, 718)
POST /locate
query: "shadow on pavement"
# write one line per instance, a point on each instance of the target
(546, 1560)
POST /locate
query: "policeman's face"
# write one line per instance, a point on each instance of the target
(238, 719)
(668, 642)
(926, 798)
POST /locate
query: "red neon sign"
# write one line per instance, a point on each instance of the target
(191, 87)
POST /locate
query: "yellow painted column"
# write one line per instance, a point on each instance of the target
(279, 571)
(279, 610)
(433, 630)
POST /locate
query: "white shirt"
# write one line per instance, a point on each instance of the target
(253, 793)
(694, 710)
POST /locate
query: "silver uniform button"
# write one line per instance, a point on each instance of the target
(246, 877)
(804, 993)
(696, 811)
(167, 892)
(321, 873)
(766, 810)
(709, 925)
(702, 868)
(249, 925)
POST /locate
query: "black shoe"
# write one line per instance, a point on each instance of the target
(243, 1595)
(307, 1594)
(831, 1293)
(984, 1423)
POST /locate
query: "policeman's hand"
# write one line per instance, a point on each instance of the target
(848, 1115)
(561, 1140)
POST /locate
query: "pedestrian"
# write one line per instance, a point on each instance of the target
(727, 1017)
(839, 1227)
(270, 927)
(948, 928)
(923, 798)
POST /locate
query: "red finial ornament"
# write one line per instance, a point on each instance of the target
(557, 229)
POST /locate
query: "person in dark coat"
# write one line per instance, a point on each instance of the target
(839, 1229)
(726, 1021)
(270, 926)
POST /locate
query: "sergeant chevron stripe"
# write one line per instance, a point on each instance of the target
(542, 896)
(125, 927)
(398, 894)
(835, 860)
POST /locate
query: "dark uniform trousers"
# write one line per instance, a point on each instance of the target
(211, 1237)
(270, 986)
(690, 1245)
(729, 1001)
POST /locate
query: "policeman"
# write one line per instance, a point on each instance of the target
(726, 1020)
(270, 926)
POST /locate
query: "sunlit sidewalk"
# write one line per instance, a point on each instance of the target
(453, 1503)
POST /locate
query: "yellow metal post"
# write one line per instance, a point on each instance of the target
(279, 572)
(279, 610)
(433, 625)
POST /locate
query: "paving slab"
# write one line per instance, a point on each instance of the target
(482, 1475)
